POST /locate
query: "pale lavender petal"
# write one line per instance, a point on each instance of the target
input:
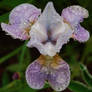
(34, 76)
(74, 14)
(21, 19)
(81, 34)
(24, 13)
(49, 33)
(59, 79)
(14, 31)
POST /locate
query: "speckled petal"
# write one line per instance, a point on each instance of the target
(49, 33)
(74, 14)
(24, 13)
(59, 79)
(14, 31)
(81, 34)
(20, 20)
(34, 76)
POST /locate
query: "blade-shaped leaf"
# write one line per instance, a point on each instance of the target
(77, 86)
(23, 52)
(86, 75)
(16, 67)
(17, 86)
(3, 59)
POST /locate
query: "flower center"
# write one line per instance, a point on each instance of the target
(50, 62)
(27, 29)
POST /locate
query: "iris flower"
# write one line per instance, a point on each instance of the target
(48, 32)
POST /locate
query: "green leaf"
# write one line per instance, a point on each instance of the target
(17, 86)
(5, 79)
(77, 86)
(23, 52)
(86, 75)
(87, 50)
(75, 67)
(46, 85)
(16, 67)
(28, 57)
(26, 89)
(3, 59)
(4, 17)
(16, 51)
(11, 87)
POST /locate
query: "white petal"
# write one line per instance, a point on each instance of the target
(49, 29)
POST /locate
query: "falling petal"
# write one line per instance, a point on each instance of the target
(74, 15)
(81, 34)
(59, 78)
(52, 69)
(15, 31)
(35, 76)
(21, 18)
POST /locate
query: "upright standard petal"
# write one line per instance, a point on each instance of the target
(24, 13)
(49, 33)
(59, 76)
(35, 76)
(74, 15)
(21, 19)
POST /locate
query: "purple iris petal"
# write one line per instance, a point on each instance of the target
(23, 13)
(74, 15)
(20, 20)
(59, 79)
(81, 34)
(34, 76)
(55, 71)
(15, 31)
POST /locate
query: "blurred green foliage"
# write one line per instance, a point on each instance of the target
(78, 55)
